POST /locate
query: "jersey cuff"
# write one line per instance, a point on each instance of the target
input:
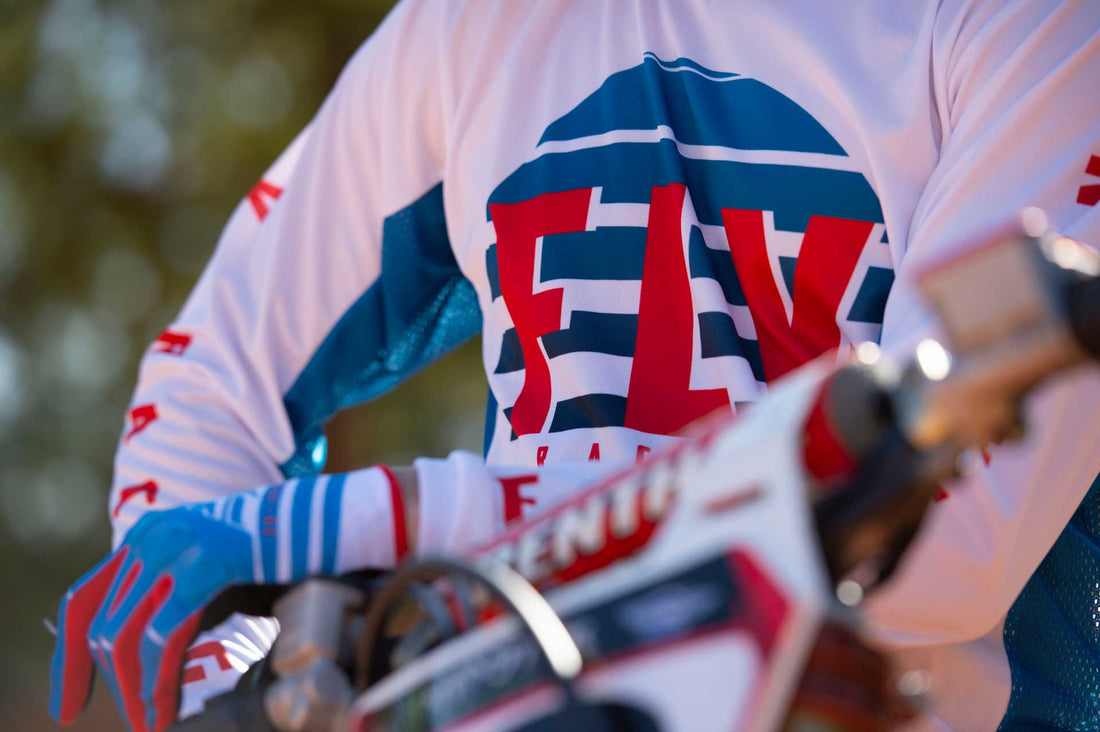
(458, 504)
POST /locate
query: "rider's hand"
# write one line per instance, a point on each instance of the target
(136, 613)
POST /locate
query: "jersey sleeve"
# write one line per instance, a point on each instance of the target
(332, 282)
(1015, 83)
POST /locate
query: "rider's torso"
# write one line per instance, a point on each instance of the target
(666, 206)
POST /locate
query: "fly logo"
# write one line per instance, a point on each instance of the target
(683, 237)
(790, 330)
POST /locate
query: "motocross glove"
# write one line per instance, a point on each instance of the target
(134, 615)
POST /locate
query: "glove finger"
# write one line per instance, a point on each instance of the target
(160, 539)
(124, 638)
(72, 667)
(171, 631)
(163, 658)
(130, 586)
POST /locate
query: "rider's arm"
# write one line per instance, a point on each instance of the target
(1016, 90)
(333, 281)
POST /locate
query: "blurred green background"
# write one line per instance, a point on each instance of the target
(129, 129)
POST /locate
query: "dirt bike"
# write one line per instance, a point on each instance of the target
(718, 583)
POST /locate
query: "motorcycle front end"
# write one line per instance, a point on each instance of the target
(717, 584)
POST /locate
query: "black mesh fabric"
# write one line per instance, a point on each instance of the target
(1052, 633)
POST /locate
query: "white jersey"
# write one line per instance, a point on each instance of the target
(649, 209)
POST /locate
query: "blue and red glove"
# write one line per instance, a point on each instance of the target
(136, 613)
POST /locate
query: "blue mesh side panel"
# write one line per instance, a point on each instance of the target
(1052, 633)
(420, 308)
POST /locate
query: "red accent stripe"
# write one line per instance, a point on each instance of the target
(211, 648)
(149, 488)
(126, 653)
(1090, 195)
(766, 607)
(258, 195)
(166, 695)
(986, 451)
(732, 501)
(400, 537)
(457, 613)
(124, 587)
(191, 674)
(172, 343)
(141, 417)
(76, 617)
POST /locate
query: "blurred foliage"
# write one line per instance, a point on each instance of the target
(129, 129)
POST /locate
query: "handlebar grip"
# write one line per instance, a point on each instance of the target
(239, 710)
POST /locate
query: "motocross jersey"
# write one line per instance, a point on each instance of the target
(650, 210)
